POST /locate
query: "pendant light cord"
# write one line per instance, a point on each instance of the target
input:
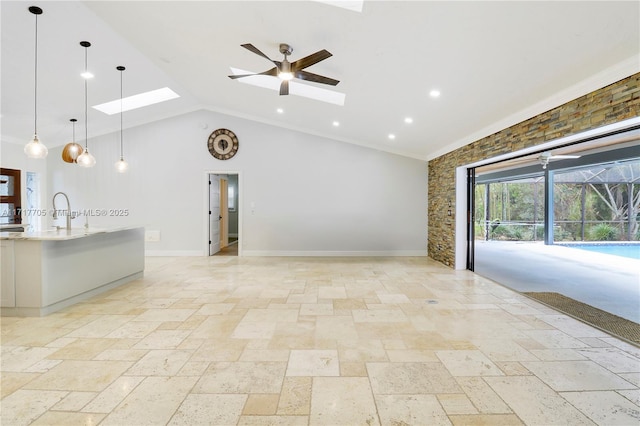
(121, 144)
(86, 111)
(35, 85)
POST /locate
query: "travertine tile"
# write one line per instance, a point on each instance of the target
(316, 309)
(72, 375)
(24, 406)
(468, 363)
(162, 339)
(14, 381)
(632, 395)
(154, 401)
(555, 339)
(332, 341)
(133, 330)
(82, 348)
(66, 418)
(456, 404)
(273, 421)
(74, 401)
(576, 376)
(209, 409)
(101, 326)
(295, 398)
(165, 315)
(342, 400)
(160, 363)
(19, 358)
(242, 377)
(605, 408)
(613, 359)
(410, 410)
(558, 354)
(482, 396)
(503, 350)
(536, 403)
(410, 378)
(261, 404)
(486, 420)
(313, 363)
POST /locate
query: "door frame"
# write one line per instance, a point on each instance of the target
(205, 207)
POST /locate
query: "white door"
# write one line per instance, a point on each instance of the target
(224, 213)
(214, 214)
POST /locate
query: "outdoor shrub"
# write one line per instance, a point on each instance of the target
(604, 232)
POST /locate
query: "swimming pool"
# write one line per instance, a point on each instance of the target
(629, 250)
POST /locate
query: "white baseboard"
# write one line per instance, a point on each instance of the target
(319, 253)
(173, 253)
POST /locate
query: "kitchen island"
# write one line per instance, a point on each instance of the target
(43, 272)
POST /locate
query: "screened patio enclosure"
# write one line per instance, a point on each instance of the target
(528, 222)
(596, 202)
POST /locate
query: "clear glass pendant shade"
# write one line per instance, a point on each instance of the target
(86, 159)
(121, 166)
(35, 148)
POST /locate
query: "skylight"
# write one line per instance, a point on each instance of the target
(137, 101)
(295, 88)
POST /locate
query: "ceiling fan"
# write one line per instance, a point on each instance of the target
(286, 70)
(545, 157)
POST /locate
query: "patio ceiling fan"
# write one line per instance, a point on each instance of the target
(286, 70)
(545, 157)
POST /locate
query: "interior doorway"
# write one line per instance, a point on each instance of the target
(223, 214)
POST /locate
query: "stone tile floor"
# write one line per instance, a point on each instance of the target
(313, 341)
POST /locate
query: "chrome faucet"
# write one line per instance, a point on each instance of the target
(55, 211)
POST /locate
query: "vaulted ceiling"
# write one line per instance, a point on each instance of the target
(494, 63)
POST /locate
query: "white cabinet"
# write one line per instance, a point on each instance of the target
(7, 275)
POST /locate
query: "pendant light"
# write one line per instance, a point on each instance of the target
(72, 150)
(35, 148)
(86, 159)
(121, 165)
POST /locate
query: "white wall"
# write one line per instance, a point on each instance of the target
(312, 195)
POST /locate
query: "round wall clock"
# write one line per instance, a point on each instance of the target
(222, 144)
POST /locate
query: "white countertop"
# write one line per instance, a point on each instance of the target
(61, 234)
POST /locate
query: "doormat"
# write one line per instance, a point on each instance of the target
(605, 321)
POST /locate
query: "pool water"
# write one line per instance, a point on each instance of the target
(631, 251)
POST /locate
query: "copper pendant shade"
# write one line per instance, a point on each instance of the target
(72, 150)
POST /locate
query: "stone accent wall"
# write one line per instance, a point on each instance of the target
(616, 102)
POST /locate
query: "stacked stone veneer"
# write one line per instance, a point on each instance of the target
(613, 103)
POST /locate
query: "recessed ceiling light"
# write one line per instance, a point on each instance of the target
(392, 136)
(279, 110)
(86, 75)
(434, 93)
(137, 101)
(295, 88)
(408, 120)
(336, 123)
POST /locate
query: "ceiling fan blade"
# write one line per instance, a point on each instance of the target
(233, 77)
(284, 87)
(272, 71)
(307, 61)
(257, 51)
(307, 76)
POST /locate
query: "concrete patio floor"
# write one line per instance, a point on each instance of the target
(607, 282)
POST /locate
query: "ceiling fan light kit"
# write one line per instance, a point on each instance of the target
(287, 71)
